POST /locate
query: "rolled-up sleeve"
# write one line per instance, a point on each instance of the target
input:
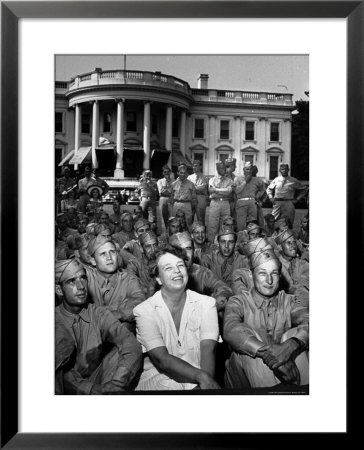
(209, 321)
(241, 337)
(300, 319)
(148, 330)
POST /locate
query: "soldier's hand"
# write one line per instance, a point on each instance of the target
(96, 389)
(278, 354)
(112, 387)
(288, 373)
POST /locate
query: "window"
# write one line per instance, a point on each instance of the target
(274, 131)
(224, 129)
(175, 126)
(273, 167)
(85, 125)
(59, 122)
(131, 121)
(249, 131)
(199, 128)
(154, 124)
(107, 123)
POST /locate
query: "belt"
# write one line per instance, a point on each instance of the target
(163, 195)
(283, 199)
(221, 199)
(148, 198)
(200, 194)
(182, 201)
(247, 198)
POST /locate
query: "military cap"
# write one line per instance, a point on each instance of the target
(197, 225)
(256, 245)
(173, 220)
(82, 240)
(253, 226)
(66, 268)
(258, 258)
(226, 230)
(178, 239)
(140, 223)
(278, 223)
(284, 236)
(220, 164)
(97, 242)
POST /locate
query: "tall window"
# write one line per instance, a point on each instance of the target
(107, 123)
(273, 167)
(249, 131)
(131, 121)
(224, 129)
(199, 128)
(59, 122)
(274, 131)
(175, 126)
(85, 123)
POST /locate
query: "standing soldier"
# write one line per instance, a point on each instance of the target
(284, 188)
(248, 190)
(64, 185)
(165, 194)
(220, 190)
(184, 194)
(148, 193)
(201, 185)
(230, 164)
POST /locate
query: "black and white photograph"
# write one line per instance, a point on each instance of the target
(181, 219)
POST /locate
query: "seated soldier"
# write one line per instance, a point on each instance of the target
(126, 234)
(200, 279)
(267, 331)
(116, 290)
(81, 249)
(200, 243)
(178, 331)
(83, 332)
(269, 224)
(174, 226)
(224, 260)
(144, 267)
(242, 278)
(133, 246)
(115, 218)
(295, 271)
(181, 216)
(303, 238)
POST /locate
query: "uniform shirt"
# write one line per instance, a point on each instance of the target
(122, 237)
(141, 269)
(84, 183)
(249, 314)
(134, 247)
(87, 332)
(202, 280)
(156, 328)
(147, 189)
(295, 276)
(120, 293)
(285, 187)
(184, 191)
(201, 183)
(164, 187)
(224, 185)
(223, 267)
(248, 189)
(206, 248)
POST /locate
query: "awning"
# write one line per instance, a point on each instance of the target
(178, 157)
(106, 147)
(161, 151)
(66, 158)
(81, 155)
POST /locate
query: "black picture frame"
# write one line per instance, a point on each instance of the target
(11, 13)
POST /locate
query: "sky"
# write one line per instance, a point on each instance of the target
(268, 73)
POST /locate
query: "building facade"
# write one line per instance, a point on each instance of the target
(125, 121)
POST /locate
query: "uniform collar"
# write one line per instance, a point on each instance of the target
(70, 317)
(260, 301)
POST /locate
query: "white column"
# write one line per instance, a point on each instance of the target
(77, 130)
(95, 132)
(146, 136)
(168, 143)
(182, 138)
(212, 142)
(119, 172)
(236, 143)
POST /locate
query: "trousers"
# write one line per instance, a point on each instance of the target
(218, 209)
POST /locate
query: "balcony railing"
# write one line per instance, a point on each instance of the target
(217, 95)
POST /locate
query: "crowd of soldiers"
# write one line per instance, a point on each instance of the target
(215, 295)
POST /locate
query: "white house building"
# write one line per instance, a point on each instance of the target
(124, 121)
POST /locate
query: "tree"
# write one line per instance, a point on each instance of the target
(300, 140)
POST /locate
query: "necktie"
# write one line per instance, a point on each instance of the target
(77, 330)
(269, 317)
